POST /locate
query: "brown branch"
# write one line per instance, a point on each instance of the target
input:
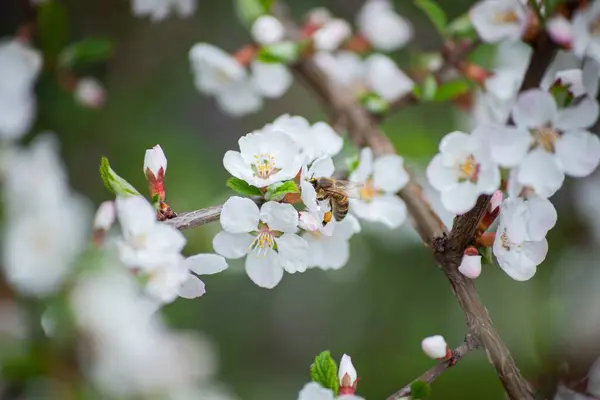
(433, 373)
(194, 219)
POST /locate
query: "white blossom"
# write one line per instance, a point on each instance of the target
(265, 157)
(382, 26)
(314, 391)
(343, 68)
(381, 179)
(90, 93)
(267, 30)
(270, 80)
(332, 34)
(586, 32)
(383, 77)
(158, 10)
(470, 266)
(267, 235)
(320, 168)
(347, 369)
(462, 170)
(435, 347)
(496, 20)
(329, 246)
(19, 68)
(155, 160)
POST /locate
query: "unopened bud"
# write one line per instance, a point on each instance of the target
(474, 72)
(470, 265)
(559, 29)
(436, 347)
(90, 93)
(318, 16)
(155, 167)
(348, 377)
(267, 30)
(332, 35)
(496, 201)
(103, 220)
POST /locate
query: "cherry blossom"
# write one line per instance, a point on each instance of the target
(520, 244)
(329, 246)
(267, 235)
(267, 30)
(462, 170)
(158, 10)
(435, 347)
(586, 34)
(265, 157)
(547, 142)
(470, 266)
(332, 34)
(347, 376)
(343, 68)
(90, 93)
(19, 67)
(270, 80)
(380, 179)
(497, 20)
(383, 77)
(314, 391)
(321, 168)
(382, 26)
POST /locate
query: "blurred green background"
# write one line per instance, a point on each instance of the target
(377, 308)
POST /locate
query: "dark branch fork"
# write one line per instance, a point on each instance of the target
(447, 246)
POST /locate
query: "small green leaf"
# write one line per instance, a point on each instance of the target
(486, 255)
(435, 14)
(249, 10)
(87, 51)
(374, 103)
(243, 187)
(561, 94)
(324, 372)
(113, 182)
(52, 26)
(419, 390)
(451, 89)
(282, 52)
(352, 163)
(277, 191)
(462, 28)
(429, 88)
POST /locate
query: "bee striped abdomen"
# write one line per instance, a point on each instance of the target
(339, 207)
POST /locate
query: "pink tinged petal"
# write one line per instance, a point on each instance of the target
(191, 288)
(541, 171)
(488, 180)
(389, 174)
(559, 29)
(460, 198)
(509, 145)
(365, 166)
(470, 266)
(578, 153)
(235, 165)
(389, 209)
(239, 215)
(314, 391)
(440, 176)
(264, 271)
(280, 217)
(534, 108)
(582, 114)
(293, 252)
(232, 245)
(205, 264)
(321, 167)
(542, 217)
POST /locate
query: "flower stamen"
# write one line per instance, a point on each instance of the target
(546, 138)
(368, 191)
(505, 17)
(263, 242)
(264, 166)
(468, 170)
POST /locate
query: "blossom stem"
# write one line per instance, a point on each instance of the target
(535, 6)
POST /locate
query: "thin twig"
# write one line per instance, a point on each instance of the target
(194, 219)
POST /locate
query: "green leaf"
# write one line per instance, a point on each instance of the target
(486, 255)
(52, 26)
(451, 89)
(462, 28)
(113, 182)
(374, 103)
(561, 94)
(352, 163)
(87, 51)
(435, 14)
(278, 191)
(324, 372)
(243, 187)
(249, 10)
(282, 52)
(420, 390)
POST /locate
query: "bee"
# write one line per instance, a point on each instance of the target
(337, 192)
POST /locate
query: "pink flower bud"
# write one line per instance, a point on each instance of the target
(470, 266)
(496, 200)
(155, 166)
(347, 375)
(105, 216)
(90, 93)
(560, 30)
(436, 347)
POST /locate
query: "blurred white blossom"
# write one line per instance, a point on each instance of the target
(497, 20)
(382, 26)
(157, 10)
(314, 391)
(332, 34)
(90, 93)
(586, 34)
(267, 30)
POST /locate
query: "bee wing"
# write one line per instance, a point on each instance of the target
(346, 188)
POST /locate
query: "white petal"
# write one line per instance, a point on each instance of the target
(324, 140)
(365, 166)
(540, 171)
(578, 153)
(488, 180)
(581, 115)
(335, 253)
(235, 164)
(534, 108)
(346, 368)
(267, 30)
(191, 288)
(456, 144)
(270, 80)
(382, 26)
(470, 266)
(389, 173)
(264, 271)
(309, 196)
(136, 216)
(239, 99)
(542, 217)
(389, 209)
(460, 198)
(280, 217)
(309, 221)
(314, 391)
(536, 251)
(483, 16)
(321, 167)
(232, 245)
(508, 145)
(516, 266)
(385, 78)
(440, 176)
(293, 252)
(205, 264)
(435, 346)
(239, 215)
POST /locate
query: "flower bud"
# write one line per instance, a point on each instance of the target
(470, 266)
(332, 35)
(267, 30)
(496, 201)
(559, 29)
(103, 220)
(347, 376)
(90, 93)
(436, 347)
(155, 166)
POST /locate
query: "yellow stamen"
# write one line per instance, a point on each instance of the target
(468, 169)
(546, 138)
(505, 17)
(368, 191)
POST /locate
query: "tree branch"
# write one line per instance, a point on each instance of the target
(194, 219)
(433, 373)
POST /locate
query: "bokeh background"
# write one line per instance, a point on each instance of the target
(388, 297)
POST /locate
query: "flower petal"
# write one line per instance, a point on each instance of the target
(440, 176)
(232, 245)
(235, 165)
(578, 152)
(314, 391)
(460, 198)
(389, 173)
(365, 166)
(508, 145)
(136, 216)
(264, 271)
(280, 217)
(455, 146)
(389, 209)
(582, 114)
(191, 288)
(321, 167)
(270, 80)
(238, 99)
(239, 215)
(534, 108)
(205, 264)
(293, 252)
(325, 140)
(542, 217)
(540, 171)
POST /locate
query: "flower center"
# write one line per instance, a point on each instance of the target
(545, 137)
(506, 243)
(468, 170)
(264, 241)
(264, 166)
(505, 17)
(368, 191)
